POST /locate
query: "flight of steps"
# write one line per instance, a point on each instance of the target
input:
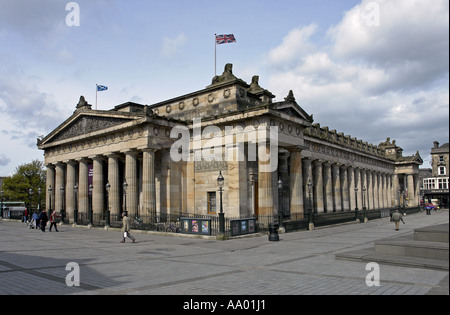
(427, 247)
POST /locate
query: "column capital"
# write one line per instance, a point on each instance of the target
(296, 148)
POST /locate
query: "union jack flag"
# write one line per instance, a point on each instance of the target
(225, 39)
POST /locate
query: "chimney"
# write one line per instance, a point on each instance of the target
(436, 144)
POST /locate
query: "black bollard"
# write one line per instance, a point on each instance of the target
(273, 229)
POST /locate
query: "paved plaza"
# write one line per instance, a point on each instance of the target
(33, 262)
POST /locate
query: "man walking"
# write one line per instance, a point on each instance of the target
(126, 228)
(43, 219)
(53, 218)
(397, 217)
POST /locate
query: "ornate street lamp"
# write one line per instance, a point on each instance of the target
(280, 203)
(311, 224)
(63, 214)
(107, 219)
(30, 192)
(50, 200)
(220, 183)
(1, 204)
(91, 188)
(39, 200)
(125, 185)
(364, 204)
(75, 209)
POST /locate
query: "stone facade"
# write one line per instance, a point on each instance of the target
(229, 126)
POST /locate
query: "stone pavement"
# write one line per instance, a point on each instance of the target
(33, 262)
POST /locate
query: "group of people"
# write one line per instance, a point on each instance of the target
(39, 221)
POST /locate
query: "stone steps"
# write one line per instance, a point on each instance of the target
(425, 248)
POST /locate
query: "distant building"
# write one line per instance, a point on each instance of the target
(436, 186)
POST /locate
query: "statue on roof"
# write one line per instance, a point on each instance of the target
(82, 102)
(227, 75)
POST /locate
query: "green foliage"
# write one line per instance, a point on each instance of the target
(31, 175)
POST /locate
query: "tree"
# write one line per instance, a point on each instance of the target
(31, 175)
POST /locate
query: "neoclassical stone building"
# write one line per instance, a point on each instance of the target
(231, 127)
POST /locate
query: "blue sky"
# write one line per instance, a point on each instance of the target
(366, 75)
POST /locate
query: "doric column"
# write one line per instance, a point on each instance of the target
(318, 186)
(308, 178)
(296, 181)
(50, 182)
(376, 194)
(265, 186)
(131, 179)
(98, 194)
(344, 188)
(83, 187)
(369, 190)
(328, 187)
(411, 192)
(336, 181)
(59, 182)
(363, 185)
(351, 189)
(148, 183)
(70, 194)
(114, 181)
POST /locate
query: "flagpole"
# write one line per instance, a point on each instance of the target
(96, 91)
(215, 55)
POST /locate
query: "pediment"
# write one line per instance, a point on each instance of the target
(84, 124)
(294, 110)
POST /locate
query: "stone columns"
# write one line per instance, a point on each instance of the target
(148, 183)
(59, 182)
(83, 187)
(336, 188)
(114, 181)
(131, 179)
(98, 194)
(265, 187)
(296, 183)
(50, 183)
(70, 194)
(318, 187)
(328, 187)
(345, 188)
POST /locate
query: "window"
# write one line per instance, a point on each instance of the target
(441, 158)
(212, 202)
(441, 170)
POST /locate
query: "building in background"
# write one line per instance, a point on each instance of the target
(436, 186)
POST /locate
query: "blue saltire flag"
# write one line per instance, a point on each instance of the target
(101, 88)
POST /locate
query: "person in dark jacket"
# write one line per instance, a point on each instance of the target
(43, 218)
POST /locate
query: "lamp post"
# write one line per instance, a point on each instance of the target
(63, 215)
(125, 185)
(220, 183)
(30, 192)
(39, 200)
(107, 219)
(364, 203)
(311, 224)
(280, 203)
(91, 188)
(1, 204)
(50, 200)
(356, 204)
(75, 208)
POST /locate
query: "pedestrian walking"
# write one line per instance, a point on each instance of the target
(397, 217)
(126, 228)
(25, 215)
(53, 218)
(43, 219)
(36, 220)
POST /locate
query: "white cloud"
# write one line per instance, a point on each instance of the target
(171, 46)
(373, 82)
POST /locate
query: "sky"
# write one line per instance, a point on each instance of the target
(370, 69)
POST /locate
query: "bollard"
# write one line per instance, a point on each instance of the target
(273, 229)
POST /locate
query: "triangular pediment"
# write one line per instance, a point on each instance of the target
(294, 110)
(86, 123)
